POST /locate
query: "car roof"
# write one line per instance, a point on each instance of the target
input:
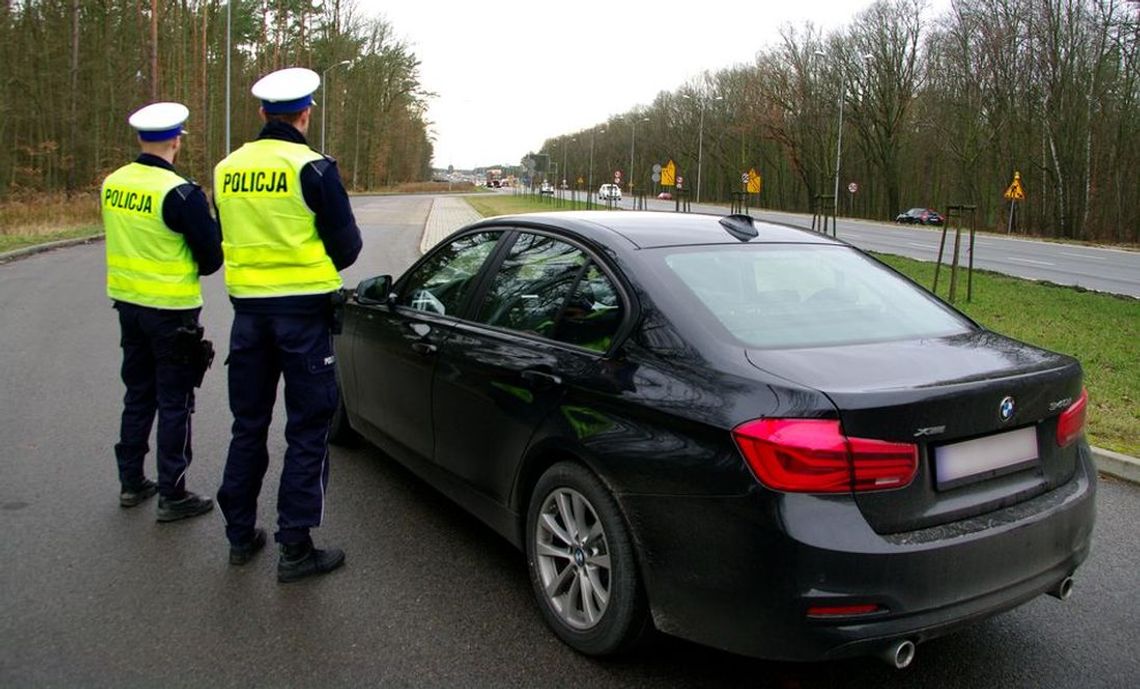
(651, 229)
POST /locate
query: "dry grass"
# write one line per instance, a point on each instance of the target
(426, 188)
(48, 214)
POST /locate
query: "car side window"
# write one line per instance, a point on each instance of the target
(532, 284)
(592, 314)
(442, 282)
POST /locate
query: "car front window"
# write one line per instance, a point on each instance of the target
(442, 282)
(790, 296)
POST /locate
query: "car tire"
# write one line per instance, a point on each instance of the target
(340, 431)
(603, 562)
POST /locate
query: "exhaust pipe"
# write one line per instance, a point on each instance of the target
(898, 655)
(1062, 590)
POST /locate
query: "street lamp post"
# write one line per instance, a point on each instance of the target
(839, 135)
(590, 174)
(229, 52)
(632, 138)
(704, 96)
(324, 99)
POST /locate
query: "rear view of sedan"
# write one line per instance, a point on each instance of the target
(738, 433)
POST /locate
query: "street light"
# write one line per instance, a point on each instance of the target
(324, 99)
(564, 168)
(590, 175)
(704, 96)
(632, 137)
(229, 53)
(867, 57)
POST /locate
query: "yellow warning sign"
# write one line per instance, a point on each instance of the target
(1015, 192)
(754, 182)
(668, 174)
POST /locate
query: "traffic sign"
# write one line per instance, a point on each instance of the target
(668, 172)
(656, 177)
(656, 168)
(852, 187)
(754, 181)
(680, 181)
(617, 174)
(1015, 192)
(744, 178)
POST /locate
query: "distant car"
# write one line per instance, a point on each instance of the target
(665, 196)
(609, 192)
(546, 188)
(743, 434)
(920, 216)
(505, 183)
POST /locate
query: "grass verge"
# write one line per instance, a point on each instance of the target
(10, 242)
(501, 204)
(1100, 330)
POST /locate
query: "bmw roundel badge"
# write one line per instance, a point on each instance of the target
(1006, 409)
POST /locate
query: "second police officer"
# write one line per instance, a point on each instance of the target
(287, 230)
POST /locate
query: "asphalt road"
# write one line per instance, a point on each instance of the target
(1096, 268)
(96, 596)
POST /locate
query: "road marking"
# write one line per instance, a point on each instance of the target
(923, 246)
(1086, 256)
(1029, 260)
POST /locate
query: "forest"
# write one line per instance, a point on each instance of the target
(936, 110)
(75, 69)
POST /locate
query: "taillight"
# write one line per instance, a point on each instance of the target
(1071, 423)
(813, 456)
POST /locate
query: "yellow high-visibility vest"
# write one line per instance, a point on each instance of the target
(148, 263)
(269, 233)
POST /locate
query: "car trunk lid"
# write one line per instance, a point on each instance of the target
(982, 409)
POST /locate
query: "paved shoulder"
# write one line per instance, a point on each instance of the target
(448, 214)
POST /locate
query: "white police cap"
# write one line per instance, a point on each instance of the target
(159, 121)
(287, 90)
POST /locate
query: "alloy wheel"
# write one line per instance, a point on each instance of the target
(573, 558)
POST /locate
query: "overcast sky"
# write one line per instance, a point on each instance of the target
(511, 74)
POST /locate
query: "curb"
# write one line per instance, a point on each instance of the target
(1118, 465)
(26, 251)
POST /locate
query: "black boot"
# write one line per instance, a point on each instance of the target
(301, 560)
(133, 496)
(189, 505)
(242, 553)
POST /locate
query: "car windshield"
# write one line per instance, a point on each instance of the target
(793, 296)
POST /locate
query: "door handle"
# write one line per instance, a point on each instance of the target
(423, 348)
(541, 379)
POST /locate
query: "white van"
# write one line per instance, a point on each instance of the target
(609, 192)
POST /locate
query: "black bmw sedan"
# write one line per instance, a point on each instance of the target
(739, 433)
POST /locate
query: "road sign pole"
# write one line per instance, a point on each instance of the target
(1010, 228)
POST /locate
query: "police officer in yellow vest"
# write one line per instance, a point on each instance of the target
(160, 238)
(287, 230)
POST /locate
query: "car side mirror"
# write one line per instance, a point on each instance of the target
(376, 291)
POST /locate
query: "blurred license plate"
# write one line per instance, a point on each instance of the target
(982, 458)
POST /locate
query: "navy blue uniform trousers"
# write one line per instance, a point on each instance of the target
(156, 383)
(263, 347)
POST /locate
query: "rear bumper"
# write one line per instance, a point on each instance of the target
(739, 573)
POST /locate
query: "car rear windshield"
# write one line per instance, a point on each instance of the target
(792, 296)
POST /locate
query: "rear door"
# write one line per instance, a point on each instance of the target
(545, 321)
